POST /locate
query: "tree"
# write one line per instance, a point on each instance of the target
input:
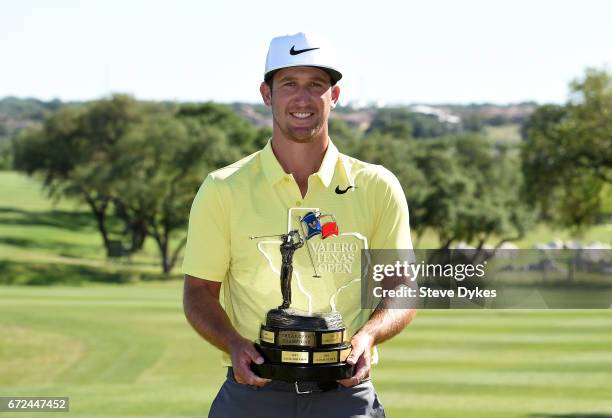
(462, 188)
(567, 153)
(404, 124)
(590, 111)
(164, 161)
(340, 131)
(243, 137)
(141, 162)
(392, 122)
(495, 210)
(74, 151)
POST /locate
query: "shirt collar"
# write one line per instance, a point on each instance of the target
(274, 172)
(328, 165)
(271, 167)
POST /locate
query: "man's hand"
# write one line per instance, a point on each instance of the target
(382, 325)
(243, 352)
(361, 356)
(207, 317)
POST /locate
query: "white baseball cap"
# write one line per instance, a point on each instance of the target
(300, 50)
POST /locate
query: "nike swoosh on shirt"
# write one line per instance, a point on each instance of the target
(338, 191)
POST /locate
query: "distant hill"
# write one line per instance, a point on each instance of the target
(360, 118)
(17, 113)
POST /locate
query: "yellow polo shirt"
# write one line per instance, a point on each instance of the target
(255, 197)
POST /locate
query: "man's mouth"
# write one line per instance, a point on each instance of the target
(301, 115)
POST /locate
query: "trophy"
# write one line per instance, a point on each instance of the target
(297, 345)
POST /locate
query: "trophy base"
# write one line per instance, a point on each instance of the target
(299, 346)
(304, 365)
(295, 373)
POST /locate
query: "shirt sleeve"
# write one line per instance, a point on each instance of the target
(392, 224)
(207, 252)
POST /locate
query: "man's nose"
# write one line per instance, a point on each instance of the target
(302, 95)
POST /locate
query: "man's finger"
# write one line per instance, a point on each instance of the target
(259, 382)
(356, 379)
(248, 375)
(361, 370)
(252, 379)
(245, 376)
(254, 355)
(351, 381)
(356, 353)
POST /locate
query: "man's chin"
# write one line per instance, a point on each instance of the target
(301, 137)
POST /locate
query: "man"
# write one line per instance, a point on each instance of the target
(299, 168)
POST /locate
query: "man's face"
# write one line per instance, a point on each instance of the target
(301, 99)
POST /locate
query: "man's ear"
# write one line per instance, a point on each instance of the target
(335, 95)
(266, 93)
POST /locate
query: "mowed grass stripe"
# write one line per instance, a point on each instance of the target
(490, 364)
(118, 348)
(105, 384)
(550, 326)
(415, 356)
(156, 291)
(131, 400)
(35, 355)
(560, 379)
(517, 335)
(110, 352)
(441, 316)
(92, 303)
(491, 344)
(506, 389)
(462, 405)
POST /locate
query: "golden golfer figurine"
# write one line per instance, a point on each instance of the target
(297, 345)
(290, 242)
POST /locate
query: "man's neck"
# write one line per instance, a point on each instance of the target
(300, 159)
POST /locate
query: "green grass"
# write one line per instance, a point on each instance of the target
(540, 234)
(114, 350)
(45, 243)
(126, 350)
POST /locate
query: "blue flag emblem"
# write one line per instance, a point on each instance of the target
(313, 225)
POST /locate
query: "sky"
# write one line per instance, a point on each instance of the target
(392, 52)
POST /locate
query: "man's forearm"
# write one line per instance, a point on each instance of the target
(208, 318)
(385, 323)
(389, 318)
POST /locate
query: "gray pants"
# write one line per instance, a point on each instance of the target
(236, 400)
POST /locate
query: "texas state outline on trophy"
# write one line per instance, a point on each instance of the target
(302, 345)
(322, 258)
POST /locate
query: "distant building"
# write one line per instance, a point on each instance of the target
(442, 115)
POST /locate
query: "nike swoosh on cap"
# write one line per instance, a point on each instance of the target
(294, 51)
